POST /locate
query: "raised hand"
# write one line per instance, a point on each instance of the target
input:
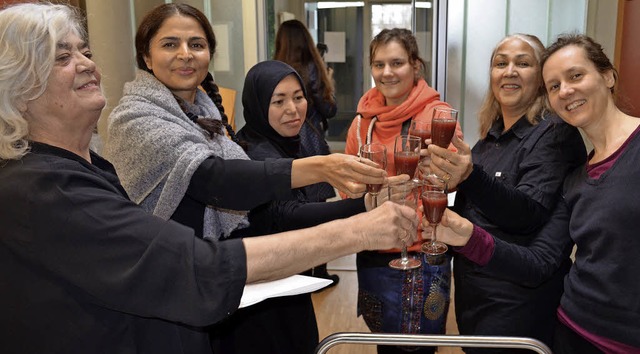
(390, 225)
(350, 174)
(453, 166)
(454, 230)
(383, 195)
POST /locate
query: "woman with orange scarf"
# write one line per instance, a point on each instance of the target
(398, 301)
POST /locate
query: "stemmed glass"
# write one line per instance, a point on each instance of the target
(421, 129)
(377, 153)
(443, 126)
(406, 154)
(434, 202)
(405, 193)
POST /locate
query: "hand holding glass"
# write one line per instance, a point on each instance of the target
(405, 193)
(378, 154)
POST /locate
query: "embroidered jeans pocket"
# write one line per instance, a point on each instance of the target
(370, 307)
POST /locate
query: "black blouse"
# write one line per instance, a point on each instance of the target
(85, 270)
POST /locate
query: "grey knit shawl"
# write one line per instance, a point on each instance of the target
(156, 148)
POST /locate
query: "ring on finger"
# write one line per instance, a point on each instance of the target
(446, 177)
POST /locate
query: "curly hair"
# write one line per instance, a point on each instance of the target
(29, 34)
(490, 110)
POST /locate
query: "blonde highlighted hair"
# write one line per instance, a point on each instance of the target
(490, 110)
(29, 34)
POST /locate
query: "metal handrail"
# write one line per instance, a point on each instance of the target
(424, 340)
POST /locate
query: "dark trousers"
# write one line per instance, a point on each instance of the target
(567, 341)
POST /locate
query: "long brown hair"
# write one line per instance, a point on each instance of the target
(295, 47)
(148, 28)
(490, 109)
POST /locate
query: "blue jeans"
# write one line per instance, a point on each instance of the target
(396, 301)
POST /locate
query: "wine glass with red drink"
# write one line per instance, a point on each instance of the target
(443, 126)
(378, 154)
(405, 193)
(421, 129)
(406, 154)
(434, 203)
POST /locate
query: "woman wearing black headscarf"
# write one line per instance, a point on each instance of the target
(275, 104)
(290, 101)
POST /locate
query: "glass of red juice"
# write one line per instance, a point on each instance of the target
(377, 153)
(443, 126)
(434, 202)
(421, 129)
(406, 154)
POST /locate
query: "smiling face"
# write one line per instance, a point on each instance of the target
(392, 72)
(577, 91)
(179, 56)
(288, 107)
(73, 99)
(515, 76)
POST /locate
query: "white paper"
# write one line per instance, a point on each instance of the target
(293, 285)
(337, 45)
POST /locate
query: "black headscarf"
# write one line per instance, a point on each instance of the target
(259, 85)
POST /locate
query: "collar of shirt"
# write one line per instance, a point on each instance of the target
(519, 129)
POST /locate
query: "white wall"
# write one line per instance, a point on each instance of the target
(110, 36)
(601, 24)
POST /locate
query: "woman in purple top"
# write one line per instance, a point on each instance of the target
(599, 310)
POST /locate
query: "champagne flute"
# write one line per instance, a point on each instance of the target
(443, 126)
(406, 154)
(422, 129)
(405, 193)
(377, 153)
(434, 202)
